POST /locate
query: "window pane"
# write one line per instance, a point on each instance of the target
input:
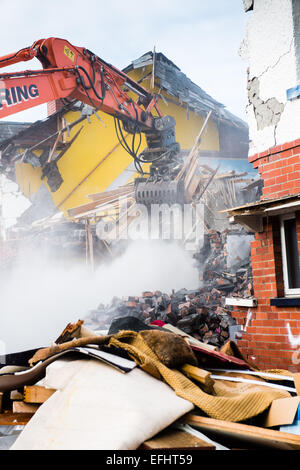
(292, 254)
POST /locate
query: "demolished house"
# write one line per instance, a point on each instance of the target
(60, 166)
(188, 369)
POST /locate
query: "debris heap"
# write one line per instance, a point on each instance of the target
(200, 313)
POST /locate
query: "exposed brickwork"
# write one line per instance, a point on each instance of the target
(54, 106)
(279, 168)
(266, 340)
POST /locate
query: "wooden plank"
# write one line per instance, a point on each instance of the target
(193, 153)
(99, 199)
(253, 382)
(176, 439)
(199, 196)
(190, 173)
(192, 187)
(37, 394)
(192, 341)
(200, 375)
(21, 407)
(111, 207)
(14, 419)
(114, 192)
(72, 330)
(16, 395)
(264, 375)
(253, 435)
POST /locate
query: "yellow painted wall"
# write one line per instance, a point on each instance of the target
(90, 166)
(28, 178)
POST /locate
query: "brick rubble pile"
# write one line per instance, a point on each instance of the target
(200, 313)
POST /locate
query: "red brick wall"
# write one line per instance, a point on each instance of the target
(53, 106)
(279, 168)
(266, 341)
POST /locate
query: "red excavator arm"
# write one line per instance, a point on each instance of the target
(75, 73)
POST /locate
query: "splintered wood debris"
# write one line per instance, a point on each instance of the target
(217, 191)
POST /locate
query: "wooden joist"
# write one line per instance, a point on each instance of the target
(199, 375)
(21, 407)
(105, 204)
(99, 197)
(190, 339)
(14, 419)
(247, 435)
(193, 155)
(37, 394)
(176, 439)
(16, 395)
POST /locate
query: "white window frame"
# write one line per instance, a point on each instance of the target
(287, 291)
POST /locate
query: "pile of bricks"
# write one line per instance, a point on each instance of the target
(197, 313)
(200, 312)
(215, 273)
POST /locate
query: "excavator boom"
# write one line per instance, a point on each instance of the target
(76, 74)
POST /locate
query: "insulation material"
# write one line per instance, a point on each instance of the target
(97, 407)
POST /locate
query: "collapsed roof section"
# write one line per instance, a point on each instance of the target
(175, 82)
(10, 129)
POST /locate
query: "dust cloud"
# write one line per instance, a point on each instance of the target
(39, 297)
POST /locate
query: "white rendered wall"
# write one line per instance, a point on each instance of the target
(269, 50)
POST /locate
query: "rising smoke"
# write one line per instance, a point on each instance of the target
(40, 297)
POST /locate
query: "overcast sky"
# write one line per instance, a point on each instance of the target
(201, 37)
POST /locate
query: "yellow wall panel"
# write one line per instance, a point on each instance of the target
(28, 178)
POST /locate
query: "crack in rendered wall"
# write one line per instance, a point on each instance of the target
(278, 60)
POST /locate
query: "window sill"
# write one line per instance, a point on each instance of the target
(285, 301)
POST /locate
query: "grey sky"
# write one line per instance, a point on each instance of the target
(201, 37)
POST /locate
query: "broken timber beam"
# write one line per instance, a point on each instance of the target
(37, 394)
(21, 407)
(253, 435)
(176, 439)
(192, 155)
(199, 375)
(14, 419)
